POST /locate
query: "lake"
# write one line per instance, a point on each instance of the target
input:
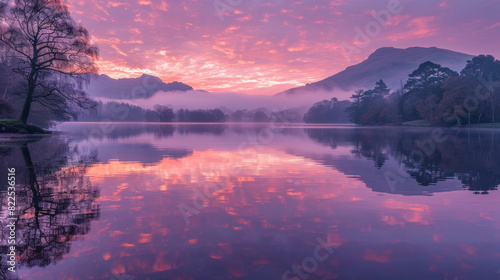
(255, 201)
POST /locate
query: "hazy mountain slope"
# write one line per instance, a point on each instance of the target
(130, 88)
(389, 64)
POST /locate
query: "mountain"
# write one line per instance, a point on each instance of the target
(131, 88)
(389, 64)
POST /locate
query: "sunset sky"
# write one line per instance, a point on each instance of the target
(266, 46)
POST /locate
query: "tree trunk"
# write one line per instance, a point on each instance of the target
(33, 183)
(27, 103)
(31, 170)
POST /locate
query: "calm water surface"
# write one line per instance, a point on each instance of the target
(136, 201)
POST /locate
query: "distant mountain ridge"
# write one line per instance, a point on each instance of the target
(389, 64)
(131, 88)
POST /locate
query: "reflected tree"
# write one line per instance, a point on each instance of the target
(361, 140)
(469, 156)
(55, 202)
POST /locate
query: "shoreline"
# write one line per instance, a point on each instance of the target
(14, 130)
(10, 126)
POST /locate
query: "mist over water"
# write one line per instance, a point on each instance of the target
(233, 101)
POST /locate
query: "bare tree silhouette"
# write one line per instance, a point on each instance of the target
(54, 55)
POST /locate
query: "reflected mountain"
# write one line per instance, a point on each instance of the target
(470, 156)
(55, 202)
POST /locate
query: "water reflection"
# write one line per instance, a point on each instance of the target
(472, 156)
(275, 196)
(55, 202)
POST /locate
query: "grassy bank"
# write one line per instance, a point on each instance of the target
(15, 126)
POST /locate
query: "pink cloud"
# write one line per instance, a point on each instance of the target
(397, 19)
(145, 2)
(420, 27)
(163, 6)
(260, 46)
(444, 4)
(117, 4)
(492, 26)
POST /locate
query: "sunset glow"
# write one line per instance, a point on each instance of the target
(266, 46)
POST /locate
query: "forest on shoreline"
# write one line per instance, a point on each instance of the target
(433, 95)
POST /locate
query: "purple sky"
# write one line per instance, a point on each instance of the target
(266, 46)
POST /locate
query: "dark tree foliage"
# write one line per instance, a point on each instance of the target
(327, 111)
(424, 82)
(151, 116)
(354, 111)
(260, 117)
(54, 55)
(486, 69)
(287, 116)
(181, 115)
(124, 112)
(455, 91)
(116, 112)
(485, 66)
(435, 94)
(237, 116)
(428, 76)
(381, 89)
(263, 115)
(213, 115)
(373, 106)
(165, 114)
